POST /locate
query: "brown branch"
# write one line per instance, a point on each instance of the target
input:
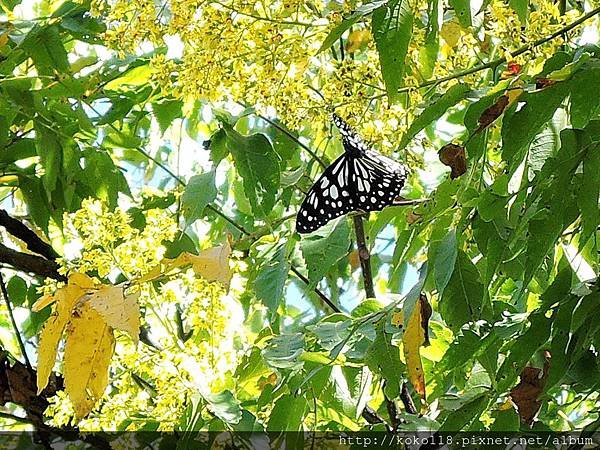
(26, 262)
(364, 256)
(20, 231)
(18, 386)
(367, 275)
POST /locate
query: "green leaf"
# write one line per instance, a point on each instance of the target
(521, 7)
(218, 146)
(345, 25)
(465, 415)
(434, 111)
(165, 112)
(520, 128)
(383, 358)
(324, 248)
(506, 420)
(136, 76)
(224, 406)
(258, 165)
(522, 349)
(462, 11)
(392, 30)
(283, 351)
(102, 177)
(429, 52)
(561, 332)
(463, 297)
(17, 290)
(287, 414)
(330, 334)
(199, 193)
(23, 148)
(270, 282)
(584, 106)
(37, 201)
(45, 47)
(544, 145)
(445, 258)
(589, 194)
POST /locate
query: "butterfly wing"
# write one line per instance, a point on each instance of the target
(360, 179)
(329, 198)
(379, 180)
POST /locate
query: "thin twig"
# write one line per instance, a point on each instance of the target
(14, 322)
(292, 137)
(322, 296)
(363, 254)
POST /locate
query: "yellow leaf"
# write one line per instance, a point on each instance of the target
(213, 264)
(412, 339)
(3, 39)
(357, 40)
(89, 347)
(397, 319)
(451, 32)
(43, 302)
(119, 311)
(66, 298)
(513, 95)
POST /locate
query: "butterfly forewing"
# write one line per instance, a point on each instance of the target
(360, 179)
(328, 198)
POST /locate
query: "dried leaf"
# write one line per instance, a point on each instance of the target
(119, 311)
(454, 156)
(89, 348)
(492, 113)
(213, 264)
(412, 217)
(414, 337)
(525, 394)
(66, 298)
(542, 83)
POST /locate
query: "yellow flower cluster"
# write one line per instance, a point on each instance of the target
(265, 54)
(192, 324)
(506, 29)
(110, 242)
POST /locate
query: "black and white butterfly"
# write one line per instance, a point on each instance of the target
(359, 180)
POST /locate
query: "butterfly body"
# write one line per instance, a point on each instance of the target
(359, 180)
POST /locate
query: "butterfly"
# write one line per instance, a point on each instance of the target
(359, 180)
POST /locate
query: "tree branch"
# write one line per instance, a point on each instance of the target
(18, 386)
(34, 243)
(367, 275)
(26, 262)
